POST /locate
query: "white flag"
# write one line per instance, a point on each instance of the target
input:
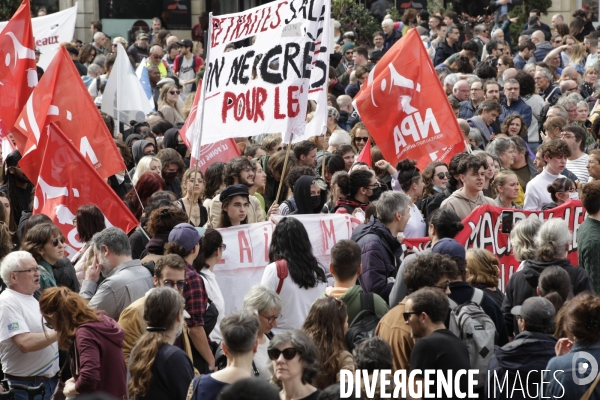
(124, 97)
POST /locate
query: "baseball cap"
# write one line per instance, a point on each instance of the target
(535, 311)
(234, 190)
(13, 158)
(185, 235)
(449, 247)
(186, 43)
(142, 35)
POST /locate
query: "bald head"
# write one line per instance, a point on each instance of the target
(464, 127)
(538, 37)
(461, 90)
(509, 74)
(569, 73)
(345, 102)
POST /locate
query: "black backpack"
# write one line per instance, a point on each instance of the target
(364, 324)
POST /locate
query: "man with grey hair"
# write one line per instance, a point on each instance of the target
(126, 280)
(557, 111)
(509, 73)
(391, 35)
(100, 42)
(378, 240)
(513, 103)
(544, 83)
(156, 59)
(28, 350)
(481, 37)
(570, 105)
(461, 90)
(557, 19)
(449, 82)
(337, 139)
(468, 107)
(448, 46)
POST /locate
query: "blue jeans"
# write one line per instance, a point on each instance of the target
(50, 385)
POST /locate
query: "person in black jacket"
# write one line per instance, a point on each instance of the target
(552, 242)
(531, 350)
(448, 46)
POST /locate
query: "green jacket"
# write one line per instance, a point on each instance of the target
(351, 298)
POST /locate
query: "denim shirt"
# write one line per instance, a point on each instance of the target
(563, 369)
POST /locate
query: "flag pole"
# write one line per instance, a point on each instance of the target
(287, 156)
(323, 159)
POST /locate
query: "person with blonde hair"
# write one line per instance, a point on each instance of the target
(146, 163)
(192, 188)
(167, 103)
(482, 273)
(506, 186)
(157, 368)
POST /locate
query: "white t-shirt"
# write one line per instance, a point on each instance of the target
(296, 302)
(416, 226)
(186, 72)
(262, 361)
(579, 168)
(20, 313)
(214, 294)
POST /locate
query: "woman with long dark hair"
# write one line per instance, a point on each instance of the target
(211, 252)
(94, 341)
(409, 178)
(157, 369)
(358, 188)
(213, 182)
(148, 184)
(304, 280)
(326, 325)
(89, 221)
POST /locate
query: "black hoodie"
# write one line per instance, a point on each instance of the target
(302, 196)
(530, 351)
(522, 284)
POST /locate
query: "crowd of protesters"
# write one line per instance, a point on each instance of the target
(141, 314)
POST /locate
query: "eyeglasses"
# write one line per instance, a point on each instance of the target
(169, 283)
(349, 52)
(223, 247)
(55, 241)
(288, 353)
(443, 175)
(34, 270)
(443, 286)
(361, 139)
(270, 320)
(157, 57)
(407, 315)
(177, 92)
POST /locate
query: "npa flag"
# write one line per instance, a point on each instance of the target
(365, 155)
(124, 98)
(61, 97)
(405, 108)
(67, 181)
(223, 150)
(18, 74)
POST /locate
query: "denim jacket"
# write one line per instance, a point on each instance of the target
(563, 369)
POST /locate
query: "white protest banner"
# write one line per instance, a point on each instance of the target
(264, 87)
(247, 252)
(50, 31)
(124, 97)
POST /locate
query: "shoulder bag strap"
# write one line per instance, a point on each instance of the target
(588, 393)
(477, 296)
(282, 273)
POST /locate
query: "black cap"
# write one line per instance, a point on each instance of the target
(13, 158)
(376, 55)
(234, 190)
(186, 43)
(72, 50)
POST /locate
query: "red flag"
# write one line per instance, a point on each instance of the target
(18, 74)
(67, 181)
(61, 97)
(223, 150)
(405, 109)
(365, 155)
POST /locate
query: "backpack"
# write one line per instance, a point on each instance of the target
(291, 203)
(364, 324)
(282, 273)
(476, 329)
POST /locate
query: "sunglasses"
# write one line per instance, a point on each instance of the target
(179, 284)
(55, 241)
(443, 175)
(361, 139)
(407, 315)
(177, 92)
(288, 353)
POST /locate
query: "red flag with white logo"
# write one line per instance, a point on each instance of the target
(62, 98)
(68, 181)
(18, 74)
(223, 150)
(405, 108)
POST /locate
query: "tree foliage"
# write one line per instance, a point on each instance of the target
(355, 17)
(8, 8)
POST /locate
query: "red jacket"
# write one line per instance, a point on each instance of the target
(100, 365)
